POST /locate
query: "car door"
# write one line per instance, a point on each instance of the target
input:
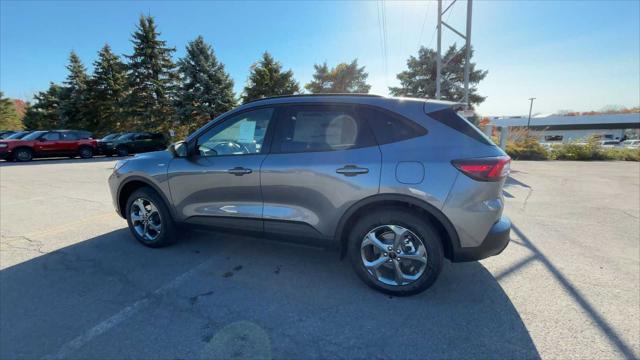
(219, 183)
(48, 144)
(68, 143)
(324, 158)
(141, 143)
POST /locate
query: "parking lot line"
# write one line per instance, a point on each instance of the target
(69, 348)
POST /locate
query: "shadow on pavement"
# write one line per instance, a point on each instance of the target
(598, 319)
(242, 297)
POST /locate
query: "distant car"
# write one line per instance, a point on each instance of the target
(46, 143)
(609, 143)
(630, 144)
(19, 135)
(105, 144)
(6, 133)
(132, 143)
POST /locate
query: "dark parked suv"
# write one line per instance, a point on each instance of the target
(397, 184)
(132, 143)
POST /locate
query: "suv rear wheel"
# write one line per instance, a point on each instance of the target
(149, 219)
(396, 252)
(85, 152)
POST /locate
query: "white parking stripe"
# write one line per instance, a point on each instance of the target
(67, 349)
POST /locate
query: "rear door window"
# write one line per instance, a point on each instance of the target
(312, 128)
(51, 136)
(69, 136)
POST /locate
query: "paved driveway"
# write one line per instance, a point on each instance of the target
(74, 284)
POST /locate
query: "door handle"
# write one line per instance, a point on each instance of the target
(239, 171)
(352, 170)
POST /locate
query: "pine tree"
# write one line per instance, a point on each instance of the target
(74, 95)
(266, 79)
(152, 79)
(107, 91)
(9, 119)
(419, 80)
(206, 90)
(344, 78)
(45, 111)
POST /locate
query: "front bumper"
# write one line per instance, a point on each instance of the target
(494, 243)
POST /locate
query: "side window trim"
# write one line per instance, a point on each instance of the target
(266, 145)
(278, 137)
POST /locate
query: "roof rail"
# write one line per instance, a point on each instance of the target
(313, 95)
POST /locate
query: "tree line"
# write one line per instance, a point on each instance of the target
(147, 90)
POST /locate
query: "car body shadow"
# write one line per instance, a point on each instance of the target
(99, 299)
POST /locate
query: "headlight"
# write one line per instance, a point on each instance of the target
(3, 145)
(119, 164)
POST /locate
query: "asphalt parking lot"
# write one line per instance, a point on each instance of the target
(74, 283)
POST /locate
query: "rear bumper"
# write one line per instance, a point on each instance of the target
(494, 243)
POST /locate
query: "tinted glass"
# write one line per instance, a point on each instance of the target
(239, 135)
(18, 135)
(389, 127)
(34, 135)
(451, 119)
(51, 136)
(69, 136)
(143, 137)
(128, 136)
(307, 128)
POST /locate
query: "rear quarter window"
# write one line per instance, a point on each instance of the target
(389, 127)
(451, 119)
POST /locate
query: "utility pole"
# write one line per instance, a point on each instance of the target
(530, 108)
(439, 58)
(466, 37)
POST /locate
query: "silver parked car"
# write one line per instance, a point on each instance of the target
(397, 184)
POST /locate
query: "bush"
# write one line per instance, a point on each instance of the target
(526, 148)
(591, 150)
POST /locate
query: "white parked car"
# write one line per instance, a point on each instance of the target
(609, 143)
(631, 144)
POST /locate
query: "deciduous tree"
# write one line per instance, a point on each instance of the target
(9, 118)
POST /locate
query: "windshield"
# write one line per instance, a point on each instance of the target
(111, 136)
(18, 135)
(34, 135)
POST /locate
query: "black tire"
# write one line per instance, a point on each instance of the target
(167, 234)
(423, 229)
(85, 152)
(122, 151)
(23, 155)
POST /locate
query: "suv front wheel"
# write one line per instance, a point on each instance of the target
(396, 251)
(149, 219)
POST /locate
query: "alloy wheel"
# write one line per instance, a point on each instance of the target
(393, 255)
(145, 219)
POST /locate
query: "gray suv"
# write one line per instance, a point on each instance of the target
(396, 184)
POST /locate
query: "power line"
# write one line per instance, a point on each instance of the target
(424, 22)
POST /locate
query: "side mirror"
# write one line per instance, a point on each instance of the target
(179, 149)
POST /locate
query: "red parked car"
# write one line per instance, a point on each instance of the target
(69, 143)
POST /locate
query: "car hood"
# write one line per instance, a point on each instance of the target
(154, 155)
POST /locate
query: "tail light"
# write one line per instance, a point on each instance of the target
(485, 169)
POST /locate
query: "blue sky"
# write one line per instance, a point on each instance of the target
(578, 55)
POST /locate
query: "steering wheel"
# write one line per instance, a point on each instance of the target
(225, 147)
